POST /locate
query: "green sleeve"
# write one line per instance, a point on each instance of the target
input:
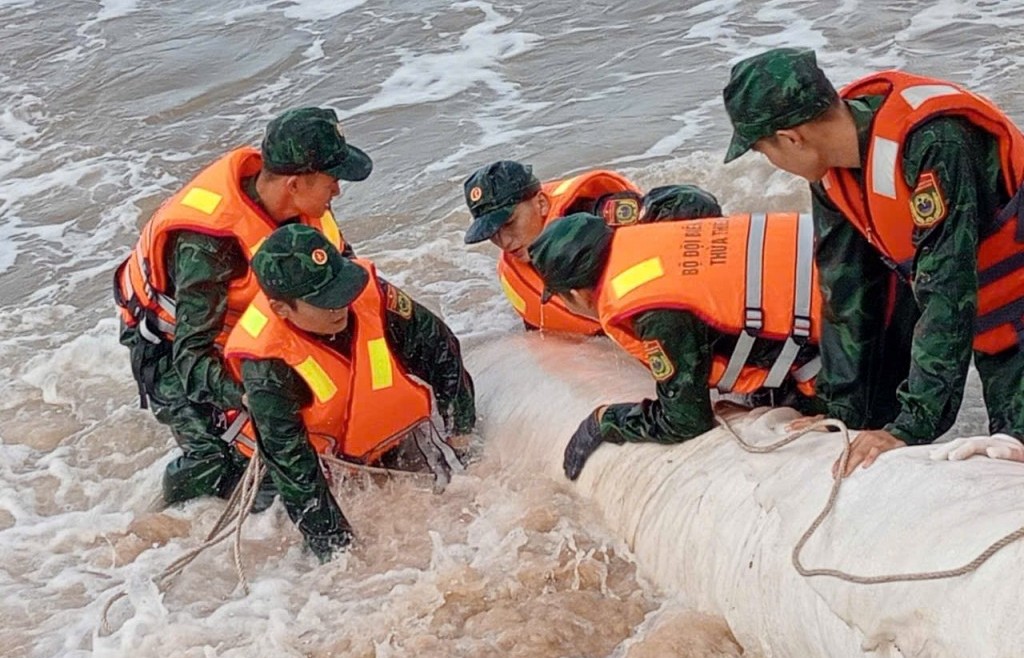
(277, 396)
(202, 269)
(854, 283)
(682, 409)
(428, 349)
(945, 280)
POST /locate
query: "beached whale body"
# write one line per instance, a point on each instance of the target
(715, 525)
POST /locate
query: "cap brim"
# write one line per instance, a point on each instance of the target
(356, 166)
(348, 283)
(485, 226)
(737, 147)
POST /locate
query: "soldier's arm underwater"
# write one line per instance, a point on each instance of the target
(428, 349)
(276, 396)
(679, 349)
(203, 268)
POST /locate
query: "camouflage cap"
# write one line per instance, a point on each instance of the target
(310, 139)
(777, 89)
(571, 252)
(492, 193)
(676, 202)
(298, 262)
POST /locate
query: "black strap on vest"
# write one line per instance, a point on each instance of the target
(1010, 211)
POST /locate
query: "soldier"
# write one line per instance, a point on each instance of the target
(921, 176)
(727, 303)
(185, 283)
(325, 352)
(510, 206)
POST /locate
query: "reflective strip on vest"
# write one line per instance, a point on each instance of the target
(318, 380)
(518, 303)
(636, 276)
(885, 151)
(801, 303)
(563, 186)
(329, 228)
(234, 431)
(380, 364)
(202, 200)
(808, 371)
(753, 318)
(256, 247)
(917, 95)
(166, 303)
(253, 321)
(148, 333)
(883, 166)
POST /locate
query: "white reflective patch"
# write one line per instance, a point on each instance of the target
(917, 95)
(883, 166)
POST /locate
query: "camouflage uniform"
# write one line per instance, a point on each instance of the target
(421, 342)
(934, 320)
(682, 409)
(185, 380)
(571, 254)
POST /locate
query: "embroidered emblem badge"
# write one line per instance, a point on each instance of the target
(658, 361)
(927, 204)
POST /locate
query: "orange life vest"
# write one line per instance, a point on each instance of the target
(362, 406)
(212, 204)
(520, 281)
(750, 276)
(883, 213)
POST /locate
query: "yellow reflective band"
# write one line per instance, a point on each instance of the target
(330, 229)
(253, 321)
(256, 247)
(564, 185)
(380, 363)
(202, 200)
(319, 381)
(636, 276)
(518, 303)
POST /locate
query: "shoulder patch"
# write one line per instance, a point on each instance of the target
(399, 302)
(658, 361)
(621, 212)
(927, 203)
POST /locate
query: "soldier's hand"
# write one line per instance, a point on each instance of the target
(864, 450)
(997, 446)
(583, 443)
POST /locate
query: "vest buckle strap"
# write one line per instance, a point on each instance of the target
(753, 320)
(801, 328)
(1011, 210)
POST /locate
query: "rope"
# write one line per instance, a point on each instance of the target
(237, 510)
(832, 423)
(230, 521)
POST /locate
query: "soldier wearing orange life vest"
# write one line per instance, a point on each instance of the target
(183, 286)
(326, 353)
(729, 303)
(924, 177)
(510, 207)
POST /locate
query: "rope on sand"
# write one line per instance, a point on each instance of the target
(831, 423)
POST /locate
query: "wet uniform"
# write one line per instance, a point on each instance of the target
(425, 347)
(965, 161)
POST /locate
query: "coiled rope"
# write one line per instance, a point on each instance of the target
(831, 423)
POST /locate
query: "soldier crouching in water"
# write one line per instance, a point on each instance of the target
(325, 352)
